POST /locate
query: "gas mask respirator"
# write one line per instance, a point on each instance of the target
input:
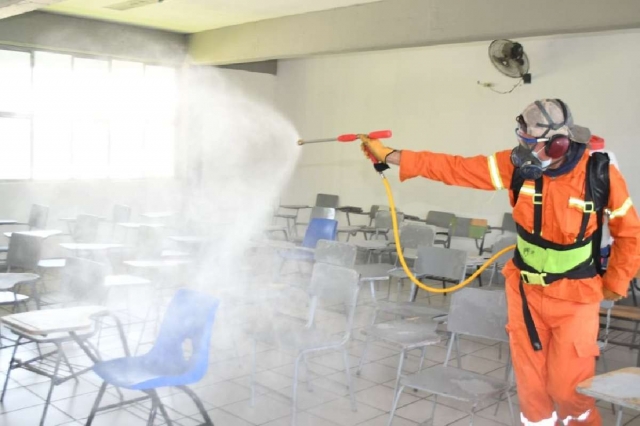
(528, 163)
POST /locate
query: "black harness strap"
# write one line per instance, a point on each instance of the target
(528, 321)
(588, 201)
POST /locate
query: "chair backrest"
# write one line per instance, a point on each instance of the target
(480, 313)
(468, 228)
(336, 253)
(38, 217)
(323, 213)
(24, 252)
(374, 210)
(86, 228)
(508, 224)
(412, 236)
(441, 263)
(150, 241)
(189, 317)
(334, 285)
(440, 219)
(327, 200)
(320, 229)
(83, 279)
(121, 213)
(383, 219)
(501, 243)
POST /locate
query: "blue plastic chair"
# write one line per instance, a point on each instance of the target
(319, 229)
(190, 316)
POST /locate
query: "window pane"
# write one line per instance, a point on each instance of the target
(159, 142)
(52, 79)
(15, 81)
(90, 149)
(51, 148)
(15, 143)
(160, 91)
(127, 149)
(126, 99)
(90, 87)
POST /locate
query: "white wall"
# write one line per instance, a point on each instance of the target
(430, 99)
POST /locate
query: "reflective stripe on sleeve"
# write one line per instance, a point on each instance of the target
(496, 179)
(622, 210)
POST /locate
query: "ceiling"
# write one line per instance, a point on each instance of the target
(192, 16)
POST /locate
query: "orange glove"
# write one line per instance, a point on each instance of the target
(610, 295)
(373, 149)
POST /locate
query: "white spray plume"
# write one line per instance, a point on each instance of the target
(242, 153)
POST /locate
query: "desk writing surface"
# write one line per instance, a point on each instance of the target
(621, 387)
(50, 321)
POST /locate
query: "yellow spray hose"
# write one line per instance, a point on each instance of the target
(396, 237)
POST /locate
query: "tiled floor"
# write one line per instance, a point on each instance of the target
(225, 390)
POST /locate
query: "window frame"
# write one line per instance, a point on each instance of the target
(31, 115)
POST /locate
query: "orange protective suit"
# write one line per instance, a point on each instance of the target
(566, 312)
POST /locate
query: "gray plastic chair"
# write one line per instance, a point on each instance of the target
(501, 243)
(316, 213)
(462, 227)
(86, 228)
(467, 307)
(419, 331)
(335, 253)
(440, 220)
(327, 200)
(411, 236)
(382, 224)
(37, 220)
(330, 284)
(436, 263)
(38, 217)
(23, 256)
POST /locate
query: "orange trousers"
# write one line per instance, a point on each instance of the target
(547, 378)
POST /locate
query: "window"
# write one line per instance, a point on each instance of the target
(66, 117)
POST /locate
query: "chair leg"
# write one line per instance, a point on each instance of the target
(456, 341)
(6, 379)
(253, 374)
(306, 368)
(619, 417)
(511, 412)
(400, 363)
(345, 357)
(424, 352)
(294, 396)
(395, 404)
(152, 413)
(53, 383)
(433, 410)
(96, 404)
(155, 400)
(196, 400)
(66, 361)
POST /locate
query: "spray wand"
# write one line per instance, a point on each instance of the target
(380, 167)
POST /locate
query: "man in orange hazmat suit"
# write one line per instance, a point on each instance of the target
(553, 286)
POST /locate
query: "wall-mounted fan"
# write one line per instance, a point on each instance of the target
(509, 58)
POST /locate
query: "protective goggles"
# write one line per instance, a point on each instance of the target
(529, 140)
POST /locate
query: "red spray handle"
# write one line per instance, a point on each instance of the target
(379, 134)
